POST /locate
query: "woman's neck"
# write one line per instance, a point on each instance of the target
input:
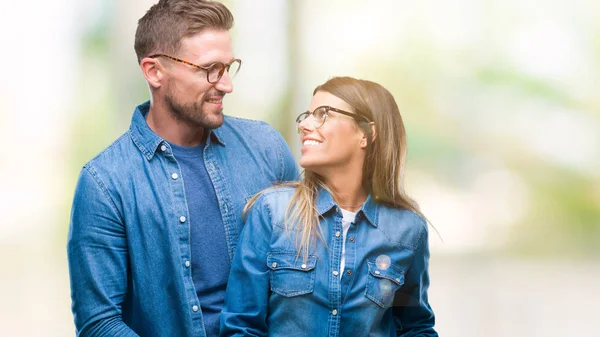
(348, 192)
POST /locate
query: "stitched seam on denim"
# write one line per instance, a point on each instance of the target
(309, 288)
(374, 295)
(280, 252)
(408, 270)
(377, 210)
(422, 237)
(394, 243)
(416, 243)
(247, 120)
(102, 186)
(400, 272)
(371, 281)
(109, 148)
(422, 232)
(267, 194)
(137, 142)
(187, 285)
(223, 194)
(273, 136)
(369, 295)
(280, 161)
(268, 207)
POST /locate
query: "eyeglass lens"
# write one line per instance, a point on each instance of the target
(217, 70)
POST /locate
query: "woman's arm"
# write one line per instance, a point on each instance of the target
(412, 313)
(247, 296)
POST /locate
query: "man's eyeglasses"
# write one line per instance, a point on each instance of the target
(321, 113)
(215, 71)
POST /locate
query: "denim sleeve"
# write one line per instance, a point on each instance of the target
(247, 295)
(412, 312)
(98, 257)
(289, 170)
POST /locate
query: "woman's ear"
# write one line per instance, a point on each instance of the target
(153, 72)
(366, 136)
(363, 143)
(373, 131)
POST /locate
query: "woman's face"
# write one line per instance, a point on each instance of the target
(335, 146)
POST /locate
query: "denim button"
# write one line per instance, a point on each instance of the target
(349, 272)
(182, 219)
(174, 176)
(303, 266)
(334, 312)
(335, 273)
(274, 265)
(351, 239)
(163, 148)
(187, 264)
(195, 308)
(377, 272)
(337, 234)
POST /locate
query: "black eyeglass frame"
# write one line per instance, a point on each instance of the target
(207, 69)
(359, 118)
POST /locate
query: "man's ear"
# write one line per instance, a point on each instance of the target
(153, 72)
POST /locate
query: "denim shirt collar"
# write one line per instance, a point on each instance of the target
(369, 209)
(147, 140)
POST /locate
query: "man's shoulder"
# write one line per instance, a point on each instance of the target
(248, 127)
(233, 121)
(114, 156)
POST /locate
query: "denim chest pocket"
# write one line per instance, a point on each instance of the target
(382, 284)
(290, 274)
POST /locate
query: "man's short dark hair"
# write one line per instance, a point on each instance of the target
(163, 26)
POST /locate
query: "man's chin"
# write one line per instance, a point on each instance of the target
(213, 121)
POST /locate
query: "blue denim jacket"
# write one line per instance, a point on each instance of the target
(129, 244)
(383, 292)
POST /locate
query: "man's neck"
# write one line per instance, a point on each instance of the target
(175, 131)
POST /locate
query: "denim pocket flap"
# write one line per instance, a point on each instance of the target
(277, 261)
(390, 273)
(290, 275)
(382, 283)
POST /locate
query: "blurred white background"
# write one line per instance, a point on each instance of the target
(500, 100)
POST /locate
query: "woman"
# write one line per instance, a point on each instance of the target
(344, 251)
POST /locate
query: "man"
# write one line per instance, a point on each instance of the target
(156, 215)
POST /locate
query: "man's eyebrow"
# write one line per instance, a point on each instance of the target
(210, 63)
(207, 64)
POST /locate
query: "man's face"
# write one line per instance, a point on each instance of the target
(188, 94)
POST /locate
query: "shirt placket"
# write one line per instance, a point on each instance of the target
(350, 259)
(335, 290)
(181, 223)
(223, 198)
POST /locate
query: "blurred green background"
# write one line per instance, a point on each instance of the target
(500, 99)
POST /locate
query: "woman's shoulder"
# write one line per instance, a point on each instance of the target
(402, 214)
(275, 199)
(272, 204)
(404, 226)
(277, 194)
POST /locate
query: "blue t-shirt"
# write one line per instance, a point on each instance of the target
(210, 260)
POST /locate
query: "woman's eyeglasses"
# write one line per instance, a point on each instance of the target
(321, 113)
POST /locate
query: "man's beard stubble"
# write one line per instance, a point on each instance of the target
(193, 115)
